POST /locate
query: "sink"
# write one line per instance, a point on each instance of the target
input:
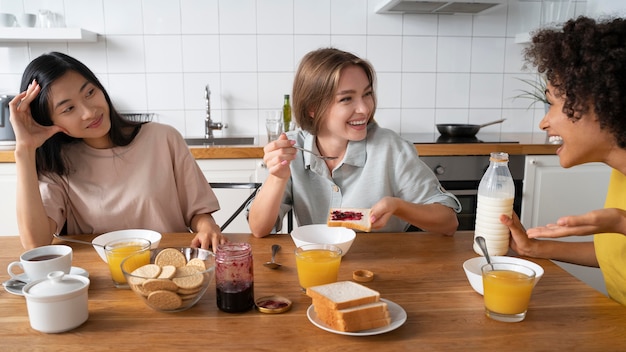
(220, 141)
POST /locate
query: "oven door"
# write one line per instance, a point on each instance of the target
(467, 194)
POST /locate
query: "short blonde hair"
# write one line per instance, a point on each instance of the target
(316, 82)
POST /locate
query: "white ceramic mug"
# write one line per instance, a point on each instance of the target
(28, 20)
(7, 20)
(38, 262)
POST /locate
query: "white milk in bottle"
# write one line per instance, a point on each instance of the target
(496, 192)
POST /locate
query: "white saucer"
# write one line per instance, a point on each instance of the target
(22, 277)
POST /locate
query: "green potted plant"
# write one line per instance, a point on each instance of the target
(536, 91)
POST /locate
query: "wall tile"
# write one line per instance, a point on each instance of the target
(389, 84)
(419, 54)
(311, 17)
(348, 16)
(275, 17)
(454, 54)
(88, 14)
(201, 53)
(418, 90)
(452, 90)
(382, 24)
(165, 91)
(238, 53)
(455, 25)
(123, 17)
(485, 90)
(161, 17)
(272, 88)
(385, 53)
(356, 44)
(487, 54)
(417, 120)
(90, 54)
(275, 53)
(237, 16)
(239, 91)
(414, 24)
(199, 16)
(193, 88)
(125, 54)
(128, 92)
(490, 23)
(163, 53)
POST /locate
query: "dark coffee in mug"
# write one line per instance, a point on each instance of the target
(44, 257)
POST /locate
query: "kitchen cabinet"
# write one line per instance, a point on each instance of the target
(551, 191)
(8, 183)
(17, 34)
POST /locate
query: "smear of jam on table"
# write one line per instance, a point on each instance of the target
(272, 304)
(346, 215)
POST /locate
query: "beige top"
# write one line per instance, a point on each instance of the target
(153, 183)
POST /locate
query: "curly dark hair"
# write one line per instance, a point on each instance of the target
(585, 61)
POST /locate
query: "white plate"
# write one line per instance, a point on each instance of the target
(74, 271)
(397, 314)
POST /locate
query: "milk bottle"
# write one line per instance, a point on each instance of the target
(496, 192)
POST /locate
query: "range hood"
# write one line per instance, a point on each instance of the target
(470, 7)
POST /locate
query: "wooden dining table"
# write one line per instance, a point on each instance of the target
(421, 272)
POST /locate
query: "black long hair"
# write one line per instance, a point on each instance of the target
(46, 69)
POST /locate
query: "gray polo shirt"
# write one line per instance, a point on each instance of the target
(383, 164)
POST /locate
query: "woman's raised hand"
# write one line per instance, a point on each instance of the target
(28, 133)
(278, 155)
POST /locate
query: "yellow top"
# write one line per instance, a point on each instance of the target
(611, 247)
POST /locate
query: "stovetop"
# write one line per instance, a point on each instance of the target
(436, 138)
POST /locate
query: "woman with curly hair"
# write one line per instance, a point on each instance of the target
(585, 65)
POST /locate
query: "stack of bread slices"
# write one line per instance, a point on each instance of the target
(349, 306)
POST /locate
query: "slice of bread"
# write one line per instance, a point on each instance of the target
(341, 295)
(370, 311)
(352, 218)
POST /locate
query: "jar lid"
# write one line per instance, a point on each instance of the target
(55, 284)
(273, 304)
(362, 275)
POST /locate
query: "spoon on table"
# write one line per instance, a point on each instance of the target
(56, 235)
(272, 264)
(480, 240)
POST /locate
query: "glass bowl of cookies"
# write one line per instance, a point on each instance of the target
(174, 280)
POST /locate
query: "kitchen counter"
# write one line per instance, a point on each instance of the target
(512, 143)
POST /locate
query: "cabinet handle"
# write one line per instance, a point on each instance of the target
(262, 165)
(532, 162)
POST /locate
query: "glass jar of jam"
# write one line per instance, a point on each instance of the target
(234, 278)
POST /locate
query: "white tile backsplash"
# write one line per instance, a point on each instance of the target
(157, 56)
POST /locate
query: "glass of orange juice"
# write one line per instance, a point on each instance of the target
(507, 290)
(120, 249)
(317, 264)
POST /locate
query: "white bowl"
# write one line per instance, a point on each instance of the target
(322, 234)
(153, 236)
(474, 276)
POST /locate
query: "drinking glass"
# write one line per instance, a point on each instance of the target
(317, 264)
(118, 250)
(507, 290)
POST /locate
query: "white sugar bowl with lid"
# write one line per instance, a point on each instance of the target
(57, 303)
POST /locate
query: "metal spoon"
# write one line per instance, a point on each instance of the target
(315, 154)
(76, 241)
(480, 240)
(14, 285)
(272, 264)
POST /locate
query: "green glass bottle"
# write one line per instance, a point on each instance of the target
(286, 113)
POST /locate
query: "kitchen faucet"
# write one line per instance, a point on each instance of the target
(209, 125)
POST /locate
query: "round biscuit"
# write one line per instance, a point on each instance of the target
(167, 272)
(148, 271)
(170, 256)
(152, 285)
(198, 263)
(188, 291)
(188, 277)
(166, 300)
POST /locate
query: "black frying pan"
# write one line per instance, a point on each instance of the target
(461, 129)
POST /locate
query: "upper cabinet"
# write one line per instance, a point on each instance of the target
(17, 34)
